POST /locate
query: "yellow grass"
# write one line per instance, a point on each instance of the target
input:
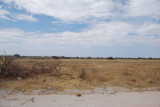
(98, 73)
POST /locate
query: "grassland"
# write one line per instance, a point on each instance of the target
(86, 74)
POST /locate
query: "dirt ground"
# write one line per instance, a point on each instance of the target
(119, 99)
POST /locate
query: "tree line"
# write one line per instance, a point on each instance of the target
(64, 57)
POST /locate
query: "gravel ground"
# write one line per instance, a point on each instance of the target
(109, 97)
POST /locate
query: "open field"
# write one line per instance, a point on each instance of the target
(83, 74)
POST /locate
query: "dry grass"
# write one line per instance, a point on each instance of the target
(89, 73)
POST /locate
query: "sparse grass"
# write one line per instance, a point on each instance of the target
(84, 74)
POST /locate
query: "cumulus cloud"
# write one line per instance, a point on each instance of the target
(24, 17)
(106, 33)
(95, 12)
(68, 10)
(5, 14)
(143, 8)
(149, 28)
(85, 10)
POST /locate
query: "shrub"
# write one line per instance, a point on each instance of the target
(17, 55)
(82, 74)
(9, 68)
(110, 58)
(47, 67)
(6, 62)
(14, 70)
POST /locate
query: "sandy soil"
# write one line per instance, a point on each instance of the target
(120, 99)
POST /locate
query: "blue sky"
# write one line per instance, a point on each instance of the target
(97, 28)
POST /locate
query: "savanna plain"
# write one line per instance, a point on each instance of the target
(62, 76)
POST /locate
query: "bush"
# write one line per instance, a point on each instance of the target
(110, 58)
(14, 70)
(16, 55)
(52, 68)
(10, 68)
(82, 74)
(6, 62)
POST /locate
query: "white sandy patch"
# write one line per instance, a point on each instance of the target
(121, 99)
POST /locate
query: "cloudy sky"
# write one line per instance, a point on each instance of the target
(97, 28)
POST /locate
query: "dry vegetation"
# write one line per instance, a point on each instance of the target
(80, 74)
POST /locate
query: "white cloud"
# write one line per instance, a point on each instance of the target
(100, 33)
(143, 8)
(149, 28)
(24, 17)
(69, 10)
(85, 10)
(106, 33)
(3, 13)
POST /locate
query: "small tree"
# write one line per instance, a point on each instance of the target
(111, 58)
(89, 57)
(16, 55)
(6, 61)
(55, 57)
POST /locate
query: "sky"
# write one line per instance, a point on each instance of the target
(96, 28)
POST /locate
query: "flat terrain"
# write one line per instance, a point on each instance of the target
(81, 83)
(81, 74)
(122, 99)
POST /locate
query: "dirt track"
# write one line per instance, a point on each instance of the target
(121, 99)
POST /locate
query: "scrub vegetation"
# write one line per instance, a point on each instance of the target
(61, 74)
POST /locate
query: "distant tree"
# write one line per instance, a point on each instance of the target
(89, 57)
(16, 55)
(110, 58)
(54, 57)
(140, 58)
